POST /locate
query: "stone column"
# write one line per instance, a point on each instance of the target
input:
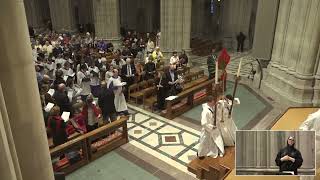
(21, 96)
(175, 25)
(281, 30)
(33, 13)
(107, 20)
(316, 97)
(62, 15)
(290, 76)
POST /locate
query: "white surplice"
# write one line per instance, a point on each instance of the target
(211, 143)
(119, 99)
(227, 126)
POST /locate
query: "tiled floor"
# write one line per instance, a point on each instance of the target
(165, 139)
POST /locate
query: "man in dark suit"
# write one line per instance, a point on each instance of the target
(62, 100)
(172, 83)
(128, 72)
(106, 103)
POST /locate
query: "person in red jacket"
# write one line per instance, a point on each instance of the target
(91, 113)
(79, 120)
(57, 127)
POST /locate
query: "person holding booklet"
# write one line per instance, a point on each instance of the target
(116, 85)
(91, 113)
(57, 127)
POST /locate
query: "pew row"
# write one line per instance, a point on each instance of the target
(188, 99)
(80, 151)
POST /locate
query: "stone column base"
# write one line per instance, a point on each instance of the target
(281, 85)
(316, 97)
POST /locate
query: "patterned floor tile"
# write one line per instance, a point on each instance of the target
(153, 124)
(189, 139)
(165, 139)
(169, 129)
(170, 139)
(130, 125)
(152, 139)
(139, 117)
(188, 156)
(138, 132)
(172, 150)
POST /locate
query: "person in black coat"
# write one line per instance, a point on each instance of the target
(128, 72)
(289, 158)
(62, 100)
(240, 40)
(106, 103)
(57, 127)
(183, 58)
(161, 90)
(149, 69)
(59, 79)
(171, 81)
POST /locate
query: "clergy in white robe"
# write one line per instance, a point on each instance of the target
(313, 123)
(115, 83)
(227, 126)
(211, 143)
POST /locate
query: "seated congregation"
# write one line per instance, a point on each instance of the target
(85, 84)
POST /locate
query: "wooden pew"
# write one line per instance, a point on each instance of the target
(110, 141)
(150, 94)
(78, 144)
(189, 94)
(137, 91)
(90, 146)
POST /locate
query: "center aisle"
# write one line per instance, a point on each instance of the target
(171, 142)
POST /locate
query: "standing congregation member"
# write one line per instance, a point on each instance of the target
(150, 69)
(157, 55)
(94, 79)
(58, 79)
(128, 72)
(161, 90)
(106, 103)
(211, 63)
(57, 127)
(116, 85)
(109, 73)
(172, 81)
(174, 58)
(91, 113)
(61, 98)
(183, 58)
(211, 143)
(150, 46)
(83, 81)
